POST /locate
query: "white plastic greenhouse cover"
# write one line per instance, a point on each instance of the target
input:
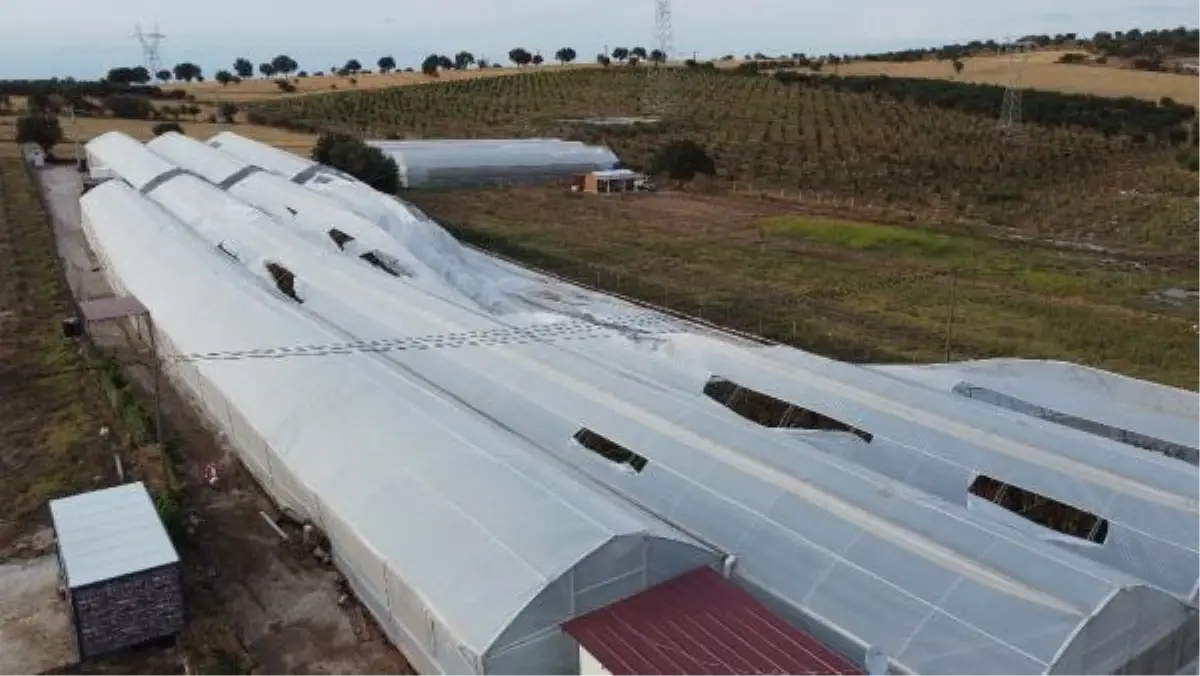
(495, 285)
(736, 486)
(424, 163)
(1142, 414)
(306, 210)
(386, 467)
(939, 442)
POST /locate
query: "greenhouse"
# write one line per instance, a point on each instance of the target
(1145, 502)
(463, 587)
(451, 164)
(1135, 412)
(876, 547)
(936, 580)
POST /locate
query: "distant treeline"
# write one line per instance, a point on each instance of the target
(1141, 120)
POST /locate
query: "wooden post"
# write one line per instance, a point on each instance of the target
(950, 317)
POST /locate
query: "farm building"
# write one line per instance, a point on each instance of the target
(119, 567)
(609, 181)
(458, 164)
(618, 433)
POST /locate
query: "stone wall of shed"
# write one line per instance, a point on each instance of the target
(127, 611)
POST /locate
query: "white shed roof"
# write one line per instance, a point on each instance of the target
(109, 533)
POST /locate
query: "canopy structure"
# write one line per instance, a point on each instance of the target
(411, 497)
(1141, 414)
(847, 546)
(942, 444)
(457, 163)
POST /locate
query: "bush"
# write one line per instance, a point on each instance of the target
(129, 106)
(1073, 57)
(43, 130)
(366, 163)
(227, 111)
(164, 127)
(285, 86)
(681, 160)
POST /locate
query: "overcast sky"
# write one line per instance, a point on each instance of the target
(83, 38)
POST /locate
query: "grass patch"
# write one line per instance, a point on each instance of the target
(844, 288)
(870, 236)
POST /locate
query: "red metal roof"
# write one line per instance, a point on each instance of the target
(700, 623)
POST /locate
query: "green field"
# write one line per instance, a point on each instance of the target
(850, 289)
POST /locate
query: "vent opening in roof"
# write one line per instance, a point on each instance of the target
(771, 412)
(339, 238)
(227, 250)
(609, 450)
(285, 281)
(386, 263)
(1041, 510)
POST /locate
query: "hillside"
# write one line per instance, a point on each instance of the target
(899, 148)
(1042, 70)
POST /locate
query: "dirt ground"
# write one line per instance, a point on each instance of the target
(35, 629)
(253, 603)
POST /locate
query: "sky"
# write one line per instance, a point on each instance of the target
(84, 38)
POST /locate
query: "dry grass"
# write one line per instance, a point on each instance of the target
(259, 89)
(87, 128)
(1041, 72)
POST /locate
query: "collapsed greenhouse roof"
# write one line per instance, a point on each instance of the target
(852, 551)
(458, 604)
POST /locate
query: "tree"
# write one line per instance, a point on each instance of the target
(463, 60)
(164, 127)
(121, 75)
(43, 130)
(639, 52)
(163, 75)
(538, 60)
(187, 72)
(266, 69)
(366, 163)
(141, 75)
(682, 159)
(352, 66)
(483, 63)
(520, 56)
(603, 60)
(444, 62)
(658, 56)
(243, 68)
(386, 64)
(620, 53)
(565, 55)
(284, 64)
(129, 106)
(227, 110)
(430, 65)
(224, 77)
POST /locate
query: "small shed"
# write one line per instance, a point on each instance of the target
(697, 623)
(34, 154)
(608, 181)
(120, 569)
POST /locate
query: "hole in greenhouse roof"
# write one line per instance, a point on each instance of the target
(609, 450)
(339, 238)
(227, 250)
(386, 263)
(1039, 509)
(771, 412)
(285, 281)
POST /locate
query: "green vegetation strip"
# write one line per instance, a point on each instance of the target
(848, 289)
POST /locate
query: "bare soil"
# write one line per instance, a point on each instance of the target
(35, 630)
